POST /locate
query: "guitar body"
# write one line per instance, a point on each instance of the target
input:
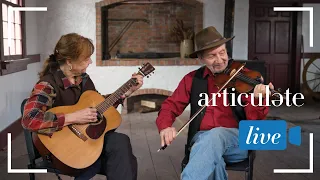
(76, 147)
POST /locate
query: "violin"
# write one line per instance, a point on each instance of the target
(243, 82)
(232, 77)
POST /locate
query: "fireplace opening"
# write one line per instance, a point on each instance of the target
(140, 30)
(145, 29)
(145, 103)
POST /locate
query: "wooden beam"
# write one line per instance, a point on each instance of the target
(309, 55)
(297, 40)
(229, 24)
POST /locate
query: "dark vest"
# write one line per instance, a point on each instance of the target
(69, 96)
(200, 85)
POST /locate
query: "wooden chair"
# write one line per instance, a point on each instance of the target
(35, 159)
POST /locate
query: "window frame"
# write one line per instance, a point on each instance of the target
(15, 63)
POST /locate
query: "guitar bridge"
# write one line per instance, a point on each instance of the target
(77, 133)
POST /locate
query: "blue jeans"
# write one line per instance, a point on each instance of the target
(210, 152)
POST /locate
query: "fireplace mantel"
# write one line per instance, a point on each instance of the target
(155, 62)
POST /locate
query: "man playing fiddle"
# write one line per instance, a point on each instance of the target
(213, 134)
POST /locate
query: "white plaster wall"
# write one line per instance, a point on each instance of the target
(32, 36)
(15, 87)
(241, 22)
(213, 14)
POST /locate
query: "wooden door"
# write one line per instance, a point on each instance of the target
(270, 40)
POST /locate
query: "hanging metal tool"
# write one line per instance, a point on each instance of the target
(124, 30)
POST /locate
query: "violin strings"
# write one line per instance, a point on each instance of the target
(244, 77)
(247, 79)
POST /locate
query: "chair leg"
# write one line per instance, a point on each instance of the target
(249, 174)
(32, 177)
(250, 171)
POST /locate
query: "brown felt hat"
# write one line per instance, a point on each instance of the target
(206, 39)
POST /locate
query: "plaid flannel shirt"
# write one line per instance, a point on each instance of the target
(35, 116)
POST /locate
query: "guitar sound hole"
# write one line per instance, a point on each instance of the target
(99, 119)
(95, 130)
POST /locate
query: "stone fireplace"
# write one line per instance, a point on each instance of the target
(145, 100)
(132, 32)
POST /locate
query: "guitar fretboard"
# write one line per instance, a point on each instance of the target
(114, 97)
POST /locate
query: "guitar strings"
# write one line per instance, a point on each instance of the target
(109, 101)
(102, 106)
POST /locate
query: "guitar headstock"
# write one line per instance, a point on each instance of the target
(146, 69)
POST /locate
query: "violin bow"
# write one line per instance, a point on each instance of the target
(201, 109)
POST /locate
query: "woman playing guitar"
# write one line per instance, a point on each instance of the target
(62, 82)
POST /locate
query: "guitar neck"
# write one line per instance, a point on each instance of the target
(115, 96)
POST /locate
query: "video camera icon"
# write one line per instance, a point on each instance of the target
(267, 135)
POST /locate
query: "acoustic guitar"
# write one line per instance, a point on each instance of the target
(78, 146)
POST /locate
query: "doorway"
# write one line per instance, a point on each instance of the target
(273, 39)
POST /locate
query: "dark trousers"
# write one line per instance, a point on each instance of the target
(116, 161)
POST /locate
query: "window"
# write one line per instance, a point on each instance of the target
(12, 51)
(16, 37)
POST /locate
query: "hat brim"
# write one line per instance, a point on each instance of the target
(213, 45)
